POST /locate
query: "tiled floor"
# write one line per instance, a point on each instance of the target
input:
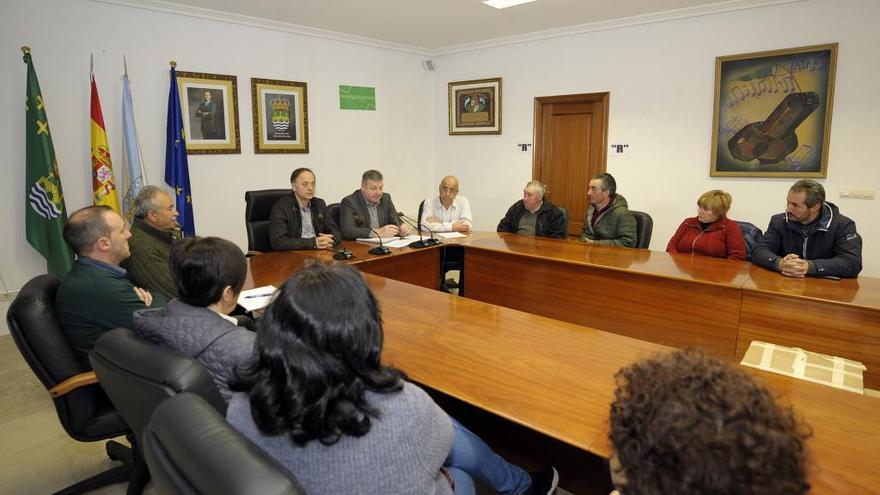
(39, 456)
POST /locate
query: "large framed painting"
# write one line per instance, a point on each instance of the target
(773, 113)
(281, 119)
(209, 103)
(475, 106)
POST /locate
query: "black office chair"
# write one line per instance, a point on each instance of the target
(258, 206)
(139, 375)
(335, 211)
(751, 234)
(644, 228)
(564, 218)
(192, 450)
(83, 408)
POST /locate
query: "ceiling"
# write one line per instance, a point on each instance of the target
(435, 25)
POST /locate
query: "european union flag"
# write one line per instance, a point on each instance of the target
(176, 166)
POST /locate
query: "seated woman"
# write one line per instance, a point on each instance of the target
(687, 423)
(316, 397)
(710, 233)
(209, 273)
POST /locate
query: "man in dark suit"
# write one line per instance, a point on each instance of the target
(95, 297)
(369, 212)
(300, 220)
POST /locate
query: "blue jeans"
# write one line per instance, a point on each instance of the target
(471, 458)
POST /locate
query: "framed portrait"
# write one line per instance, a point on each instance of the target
(209, 103)
(772, 113)
(281, 120)
(475, 106)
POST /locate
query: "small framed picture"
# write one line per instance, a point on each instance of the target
(475, 106)
(209, 103)
(773, 113)
(281, 116)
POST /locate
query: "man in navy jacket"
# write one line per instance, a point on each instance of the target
(811, 238)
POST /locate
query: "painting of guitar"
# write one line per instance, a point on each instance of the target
(771, 140)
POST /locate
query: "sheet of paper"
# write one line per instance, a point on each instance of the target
(256, 298)
(449, 235)
(395, 242)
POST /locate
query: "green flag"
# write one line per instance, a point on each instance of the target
(45, 214)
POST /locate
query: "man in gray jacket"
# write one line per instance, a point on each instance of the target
(209, 273)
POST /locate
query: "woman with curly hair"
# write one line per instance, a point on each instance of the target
(687, 423)
(316, 397)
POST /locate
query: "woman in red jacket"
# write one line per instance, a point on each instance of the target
(710, 233)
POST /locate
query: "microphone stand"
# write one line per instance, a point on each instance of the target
(341, 253)
(421, 243)
(380, 249)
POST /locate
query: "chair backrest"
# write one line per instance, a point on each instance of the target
(258, 206)
(421, 211)
(564, 217)
(752, 235)
(644, 228)
(335, 211)
(192, 450)
(40, 339)
(138, 375)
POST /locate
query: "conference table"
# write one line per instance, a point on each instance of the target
(555, 376)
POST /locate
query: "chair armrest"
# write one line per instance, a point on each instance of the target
(73, 383)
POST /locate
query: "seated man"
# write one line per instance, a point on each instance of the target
(95, 297)
(300, 220)
(368, 212)
(687, 423)
(447, 212)
(153, 231)
(608, 221)
(209, 273)
(810, 238)
(534, 216)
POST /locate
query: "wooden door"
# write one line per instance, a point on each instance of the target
(571, 137)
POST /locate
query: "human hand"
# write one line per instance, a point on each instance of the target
(324, 241)
(403, 229)
(387, 231)
(460, 226)
(793, 266)
(143, 295)
(587, 240)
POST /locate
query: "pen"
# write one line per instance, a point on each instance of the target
(254, 296)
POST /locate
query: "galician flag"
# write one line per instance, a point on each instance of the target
(45, 214)
(133, 177)
(103, 182)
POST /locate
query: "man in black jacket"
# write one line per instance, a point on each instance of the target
(300, 220)
(532, 215)
(811, 238)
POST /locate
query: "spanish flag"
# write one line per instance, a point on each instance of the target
(103, 182)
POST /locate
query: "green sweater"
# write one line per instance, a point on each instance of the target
(615, 226)
(92, 300)
(148, 264)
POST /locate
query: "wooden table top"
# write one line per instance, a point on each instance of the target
(863, 292)
(698, 269)
(557, 378)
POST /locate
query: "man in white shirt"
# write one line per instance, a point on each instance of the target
(447, 212)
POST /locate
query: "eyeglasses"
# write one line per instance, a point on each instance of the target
(448, 190)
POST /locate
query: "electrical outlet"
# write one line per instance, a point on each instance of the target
(8, 296)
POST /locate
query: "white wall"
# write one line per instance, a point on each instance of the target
(661, 79)
(660, 76)
(395, 139)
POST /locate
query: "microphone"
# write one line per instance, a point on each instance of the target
(380, 249)
(421, 243)
(341, 253)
